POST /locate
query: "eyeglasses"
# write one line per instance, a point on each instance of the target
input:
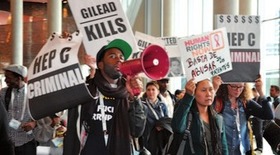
(236, 87)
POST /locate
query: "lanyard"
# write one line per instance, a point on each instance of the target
(237, 120)
(24, 102)
(104, 125)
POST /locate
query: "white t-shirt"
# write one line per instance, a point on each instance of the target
(169, 104)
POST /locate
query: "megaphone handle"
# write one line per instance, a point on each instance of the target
(136, 91)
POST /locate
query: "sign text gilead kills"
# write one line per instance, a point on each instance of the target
(103, 20)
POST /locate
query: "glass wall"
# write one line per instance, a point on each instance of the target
(270, 32)
(196, 16)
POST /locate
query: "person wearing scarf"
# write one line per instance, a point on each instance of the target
(124, 115)
(205, 131)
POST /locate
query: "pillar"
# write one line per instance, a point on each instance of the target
(54, 16)
(17, 31)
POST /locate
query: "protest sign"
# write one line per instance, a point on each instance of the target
(55, 77)
(176, 68)
(100, 22)
(143, 41)
(205, 55)
(244, 43)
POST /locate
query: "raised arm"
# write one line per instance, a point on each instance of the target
(90, 61)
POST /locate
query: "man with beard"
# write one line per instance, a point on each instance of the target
(14, 98)
(108, 123)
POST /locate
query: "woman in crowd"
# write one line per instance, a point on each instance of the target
(157, 128)
(195, 117)
(234, 102)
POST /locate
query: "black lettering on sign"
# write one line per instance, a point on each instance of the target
(235, 39)
(64, 56)
(98, 10)
(143, 44)
(203, 69)
(44, 62)
(251, 39)
(170, 41)
(136, 55)
(236, 19)
(105, 29)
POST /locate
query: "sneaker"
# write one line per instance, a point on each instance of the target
(258, 150)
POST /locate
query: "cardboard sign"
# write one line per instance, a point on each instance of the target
(205, 55)
(100, 22)
(176, 67)
(55, 77)
(244, 43)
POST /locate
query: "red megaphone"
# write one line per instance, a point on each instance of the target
(154, 62)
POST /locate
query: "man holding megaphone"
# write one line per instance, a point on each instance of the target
(115, 114)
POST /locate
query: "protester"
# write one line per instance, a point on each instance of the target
(114, 116)
(6, 145)
(257, 124)
(155, 137)
(234, 102)
(14, 97)
(272, 132)
(275, 94)
(196, 118)
(166, 96)
(50, 132)
(179, 94)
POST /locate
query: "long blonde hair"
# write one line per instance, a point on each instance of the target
(245, 95)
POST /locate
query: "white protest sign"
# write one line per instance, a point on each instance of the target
(55, 77)
(244, 42)
(144, 40)
(205, 55)
(176, 68)
(100, 22)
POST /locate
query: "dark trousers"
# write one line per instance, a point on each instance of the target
(27, 149)
(258, 131)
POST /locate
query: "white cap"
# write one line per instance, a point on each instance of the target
(19, 69)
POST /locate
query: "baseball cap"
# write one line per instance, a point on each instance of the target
(116, 43)
(19, 69)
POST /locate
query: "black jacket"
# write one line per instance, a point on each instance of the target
(6, 145)
(128, 121)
